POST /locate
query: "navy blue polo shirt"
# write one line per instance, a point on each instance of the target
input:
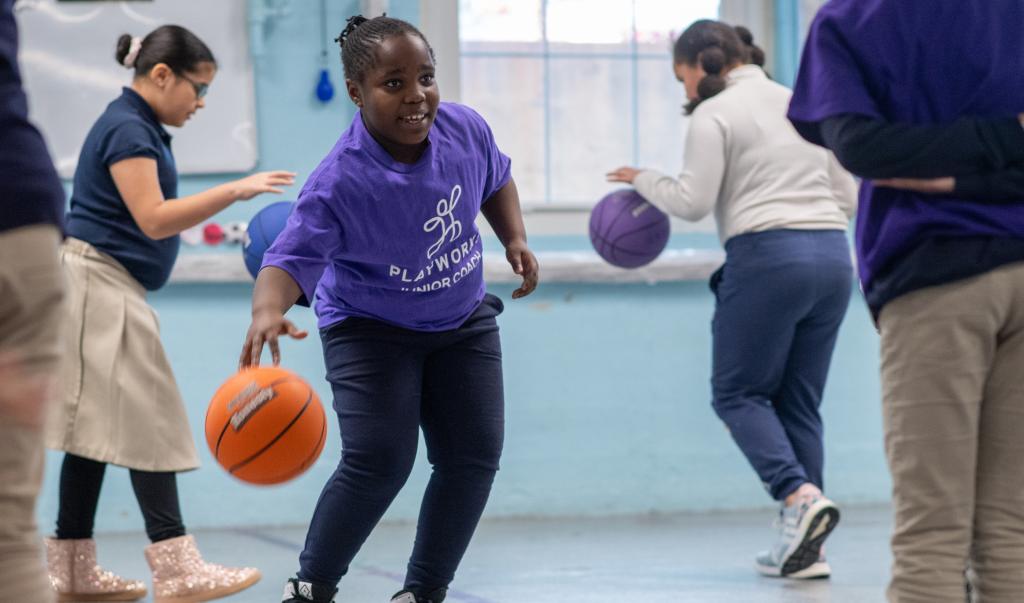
(128, 128)
(30, 192)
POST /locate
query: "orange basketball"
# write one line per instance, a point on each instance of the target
(265, 425)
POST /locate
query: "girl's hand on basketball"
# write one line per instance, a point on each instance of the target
(262, 182)
(929, 186)
(623, 174)
(266, 327)
(524, 263)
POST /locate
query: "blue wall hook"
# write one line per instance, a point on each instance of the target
(324, 87)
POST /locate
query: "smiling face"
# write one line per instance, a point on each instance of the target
(398, 95)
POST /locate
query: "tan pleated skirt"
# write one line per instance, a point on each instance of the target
(120, 402)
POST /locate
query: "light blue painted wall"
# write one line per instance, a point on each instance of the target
(607, 390)
(607, 385)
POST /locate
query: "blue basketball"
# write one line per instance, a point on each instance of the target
(261, 232)
(626, 230)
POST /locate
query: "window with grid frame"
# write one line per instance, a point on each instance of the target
(574, 88)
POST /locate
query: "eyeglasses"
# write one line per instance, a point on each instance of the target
(200, 88)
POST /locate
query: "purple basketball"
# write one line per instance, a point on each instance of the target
(626, 230)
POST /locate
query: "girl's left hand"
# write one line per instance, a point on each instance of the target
(262, 182)
(623, 174)
(929, 186)
(524, 263)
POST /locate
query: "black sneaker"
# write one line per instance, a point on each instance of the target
(407, 596)
(297, 591)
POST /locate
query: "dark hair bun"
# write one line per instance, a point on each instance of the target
(756, 54)
(710, 85)
(745, 35)
(712, 60)
(124, 45)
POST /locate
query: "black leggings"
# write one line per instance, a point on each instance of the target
(80, 483)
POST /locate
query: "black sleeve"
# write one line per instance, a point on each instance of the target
(873, 148)
(1004, 185)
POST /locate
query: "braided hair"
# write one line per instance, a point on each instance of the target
(714, 45)
(361, 36)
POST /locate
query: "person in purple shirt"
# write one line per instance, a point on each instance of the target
(925, 105)
(383, 243)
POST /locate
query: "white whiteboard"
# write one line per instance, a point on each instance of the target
(70, 75)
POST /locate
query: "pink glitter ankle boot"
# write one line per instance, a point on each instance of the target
(75, 575)
(181, 576)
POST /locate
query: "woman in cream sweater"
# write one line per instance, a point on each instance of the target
(782, 207)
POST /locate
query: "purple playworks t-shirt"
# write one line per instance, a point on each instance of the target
(376, 238)
(920, 63)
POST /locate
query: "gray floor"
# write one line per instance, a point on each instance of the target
(660, 559)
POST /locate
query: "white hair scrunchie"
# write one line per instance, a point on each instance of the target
(133, 53)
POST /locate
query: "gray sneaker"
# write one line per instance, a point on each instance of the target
(818, 570)
(802, 531)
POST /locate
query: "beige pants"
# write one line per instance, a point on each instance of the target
(953, 398)
(31, 297)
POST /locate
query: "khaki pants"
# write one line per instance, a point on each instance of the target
(953, 399)
(31, 297)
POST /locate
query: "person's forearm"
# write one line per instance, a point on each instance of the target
(1002, 186)
(503, 213)
(275, 291)
(175, 215)
(673, 196)
(872, 148)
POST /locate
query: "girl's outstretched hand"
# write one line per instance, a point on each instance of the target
(266, 327)
(262, 182)
(930, 186)
(623, 174)
(524, 263)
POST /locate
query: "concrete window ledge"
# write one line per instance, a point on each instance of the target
(556, 267)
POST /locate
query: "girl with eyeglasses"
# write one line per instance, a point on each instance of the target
(121, 404)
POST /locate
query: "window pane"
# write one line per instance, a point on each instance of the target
(659, 22)
(591, 126)
(611, 96)
(662, 126)
(479, 47)
(500, 20)
(574, 26)
(509, 94)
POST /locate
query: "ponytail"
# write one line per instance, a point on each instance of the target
(714, 46)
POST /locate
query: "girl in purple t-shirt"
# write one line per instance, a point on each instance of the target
(383, 243)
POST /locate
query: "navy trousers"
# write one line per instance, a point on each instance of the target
(780, 298)
(388, 383)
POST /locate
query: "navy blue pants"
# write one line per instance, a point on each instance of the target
(388, 383)
(780, 298)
